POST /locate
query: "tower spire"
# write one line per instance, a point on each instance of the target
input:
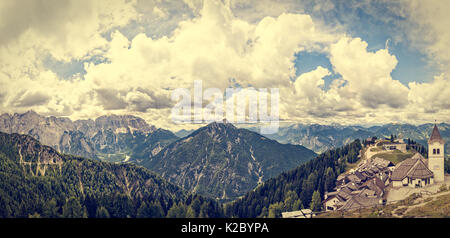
(435, 136)
(436, 155)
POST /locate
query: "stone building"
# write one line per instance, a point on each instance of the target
(418, 171)
(436, 155)
(412, 172)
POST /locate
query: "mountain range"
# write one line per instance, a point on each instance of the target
(320, 138)
(111, 138)
(224, 162)
(115, 138)
(215, 162)
(218, 160)
(38, 181)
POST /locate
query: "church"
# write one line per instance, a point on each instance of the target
(418, 171)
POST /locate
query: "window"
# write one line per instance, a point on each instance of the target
(437, 152)
(434, 151)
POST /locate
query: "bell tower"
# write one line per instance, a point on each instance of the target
(436, 155)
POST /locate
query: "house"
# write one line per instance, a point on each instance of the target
(333, 202)
(365, 192)
(345, 193)
(358, 202)
(384, 176)
(371, 140)
(352, 186)
(395, 146)
(353, 178)
(375, 185)
(342, 179)
(412, 172)
(382, 162)
(368, 173)
(360, 175)
(304, 213)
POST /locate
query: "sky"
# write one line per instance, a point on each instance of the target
(347, 62)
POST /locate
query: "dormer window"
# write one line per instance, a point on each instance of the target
(434, 151)
(438, 151)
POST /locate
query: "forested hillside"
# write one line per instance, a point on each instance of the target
(114, 138)
(37, 181)
(302, 187)
(224, 162)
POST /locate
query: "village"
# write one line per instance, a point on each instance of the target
(380, 177)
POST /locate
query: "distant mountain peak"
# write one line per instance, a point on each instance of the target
(225, 124)
(223, 161)
(105, 136)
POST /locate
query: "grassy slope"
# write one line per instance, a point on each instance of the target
(395, 156)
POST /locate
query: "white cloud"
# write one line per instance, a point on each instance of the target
(428, 28)
(310, 85)
(431, 97)
(368, 73)
(139, 71)
(65, 29)
(216, 48)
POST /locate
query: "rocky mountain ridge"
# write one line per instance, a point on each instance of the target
(223, 162)
(320, 138)
(38, 181)
(111, 137)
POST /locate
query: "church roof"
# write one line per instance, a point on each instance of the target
(435, 136)
(414, 167)
(419, 171)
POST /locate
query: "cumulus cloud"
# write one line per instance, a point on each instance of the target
(431, 97)
(110, 99)
(309, 85)
(368, 73)
(30, 99)
(138, 71)
(365, 91)
(215, 47)
(308, 97)
(65, 29)
(428, 28)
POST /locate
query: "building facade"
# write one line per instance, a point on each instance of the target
(395, 146)
(436, 155)
(412, 172)
(418, 171)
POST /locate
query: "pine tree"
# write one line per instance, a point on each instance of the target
(329, 180)
(275, 210)
(50, 209)
(316, 201)
(190, 213)
(291, 203)
(102, 212)
(177, 211)
(91, 205)
(73, 209)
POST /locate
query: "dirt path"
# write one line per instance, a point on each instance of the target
(400, 211)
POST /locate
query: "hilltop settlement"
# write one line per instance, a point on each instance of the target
(370, 181)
